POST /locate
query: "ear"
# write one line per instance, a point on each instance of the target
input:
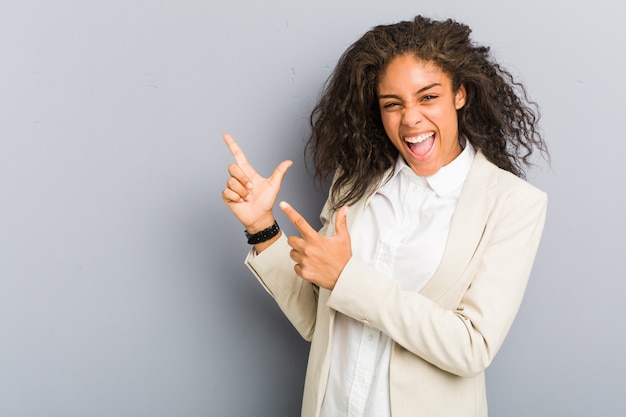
(459, 97)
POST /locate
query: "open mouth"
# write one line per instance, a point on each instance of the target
(420, 145)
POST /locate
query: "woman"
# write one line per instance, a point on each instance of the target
(429, 233)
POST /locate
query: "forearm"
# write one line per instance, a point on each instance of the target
(296, 297)
(438, 335)
(460, 329)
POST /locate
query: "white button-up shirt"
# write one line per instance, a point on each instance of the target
(402, 233)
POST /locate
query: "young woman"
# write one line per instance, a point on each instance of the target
(429, 232)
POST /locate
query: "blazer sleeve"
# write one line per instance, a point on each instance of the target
(460, 337)
(297, 298)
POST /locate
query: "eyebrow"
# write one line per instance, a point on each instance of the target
(421, 90)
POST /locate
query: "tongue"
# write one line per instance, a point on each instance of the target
(422, 148)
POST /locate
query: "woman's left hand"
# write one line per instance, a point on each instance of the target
(319, 259)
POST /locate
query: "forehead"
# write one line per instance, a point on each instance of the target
(407, 70)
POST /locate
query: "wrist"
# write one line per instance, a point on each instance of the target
(264, 235)
(260, 225)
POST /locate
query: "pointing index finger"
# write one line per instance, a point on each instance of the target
(235, 150)
(296, 218)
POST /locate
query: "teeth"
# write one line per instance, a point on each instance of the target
(419, 139)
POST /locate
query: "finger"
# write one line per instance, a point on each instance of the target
(295, 256)
(301, 224)
(279, 173)
(229, 196)
(297, 244)
(238, 174)
(237, 187)
(234, 148)
(238, 154)
(341, 222)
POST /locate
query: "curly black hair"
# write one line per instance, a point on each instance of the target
(348, 139)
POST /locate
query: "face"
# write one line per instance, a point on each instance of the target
(419, 113)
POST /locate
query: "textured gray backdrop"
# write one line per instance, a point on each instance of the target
(122, 287)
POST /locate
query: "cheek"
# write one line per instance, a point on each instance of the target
(446, 118)
(452, 120)
(449, 129)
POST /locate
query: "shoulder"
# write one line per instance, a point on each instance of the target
(499, 183)
(500, 203)
(337, 193)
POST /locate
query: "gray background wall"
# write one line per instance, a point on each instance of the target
(122, 288)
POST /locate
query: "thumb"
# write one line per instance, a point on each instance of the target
(279, 173)
(341, 222)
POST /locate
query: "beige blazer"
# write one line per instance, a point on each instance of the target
(445, 336)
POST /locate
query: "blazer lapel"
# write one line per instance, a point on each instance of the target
(466, 229)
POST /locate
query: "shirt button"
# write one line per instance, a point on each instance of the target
(365, 322)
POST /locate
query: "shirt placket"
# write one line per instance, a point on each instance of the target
(370, 337)
(364, 371)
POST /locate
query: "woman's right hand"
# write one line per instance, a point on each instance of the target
(249, 196)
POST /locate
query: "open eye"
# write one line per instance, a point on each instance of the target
(429, 97)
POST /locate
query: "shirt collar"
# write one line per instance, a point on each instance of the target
(449, 177)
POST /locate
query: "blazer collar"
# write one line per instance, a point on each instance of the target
(466, 229)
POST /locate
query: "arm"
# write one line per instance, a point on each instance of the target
(296, 297)
(463, 337)
(292, 270)
(251, 198)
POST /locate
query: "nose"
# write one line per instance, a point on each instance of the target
(411, 116)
